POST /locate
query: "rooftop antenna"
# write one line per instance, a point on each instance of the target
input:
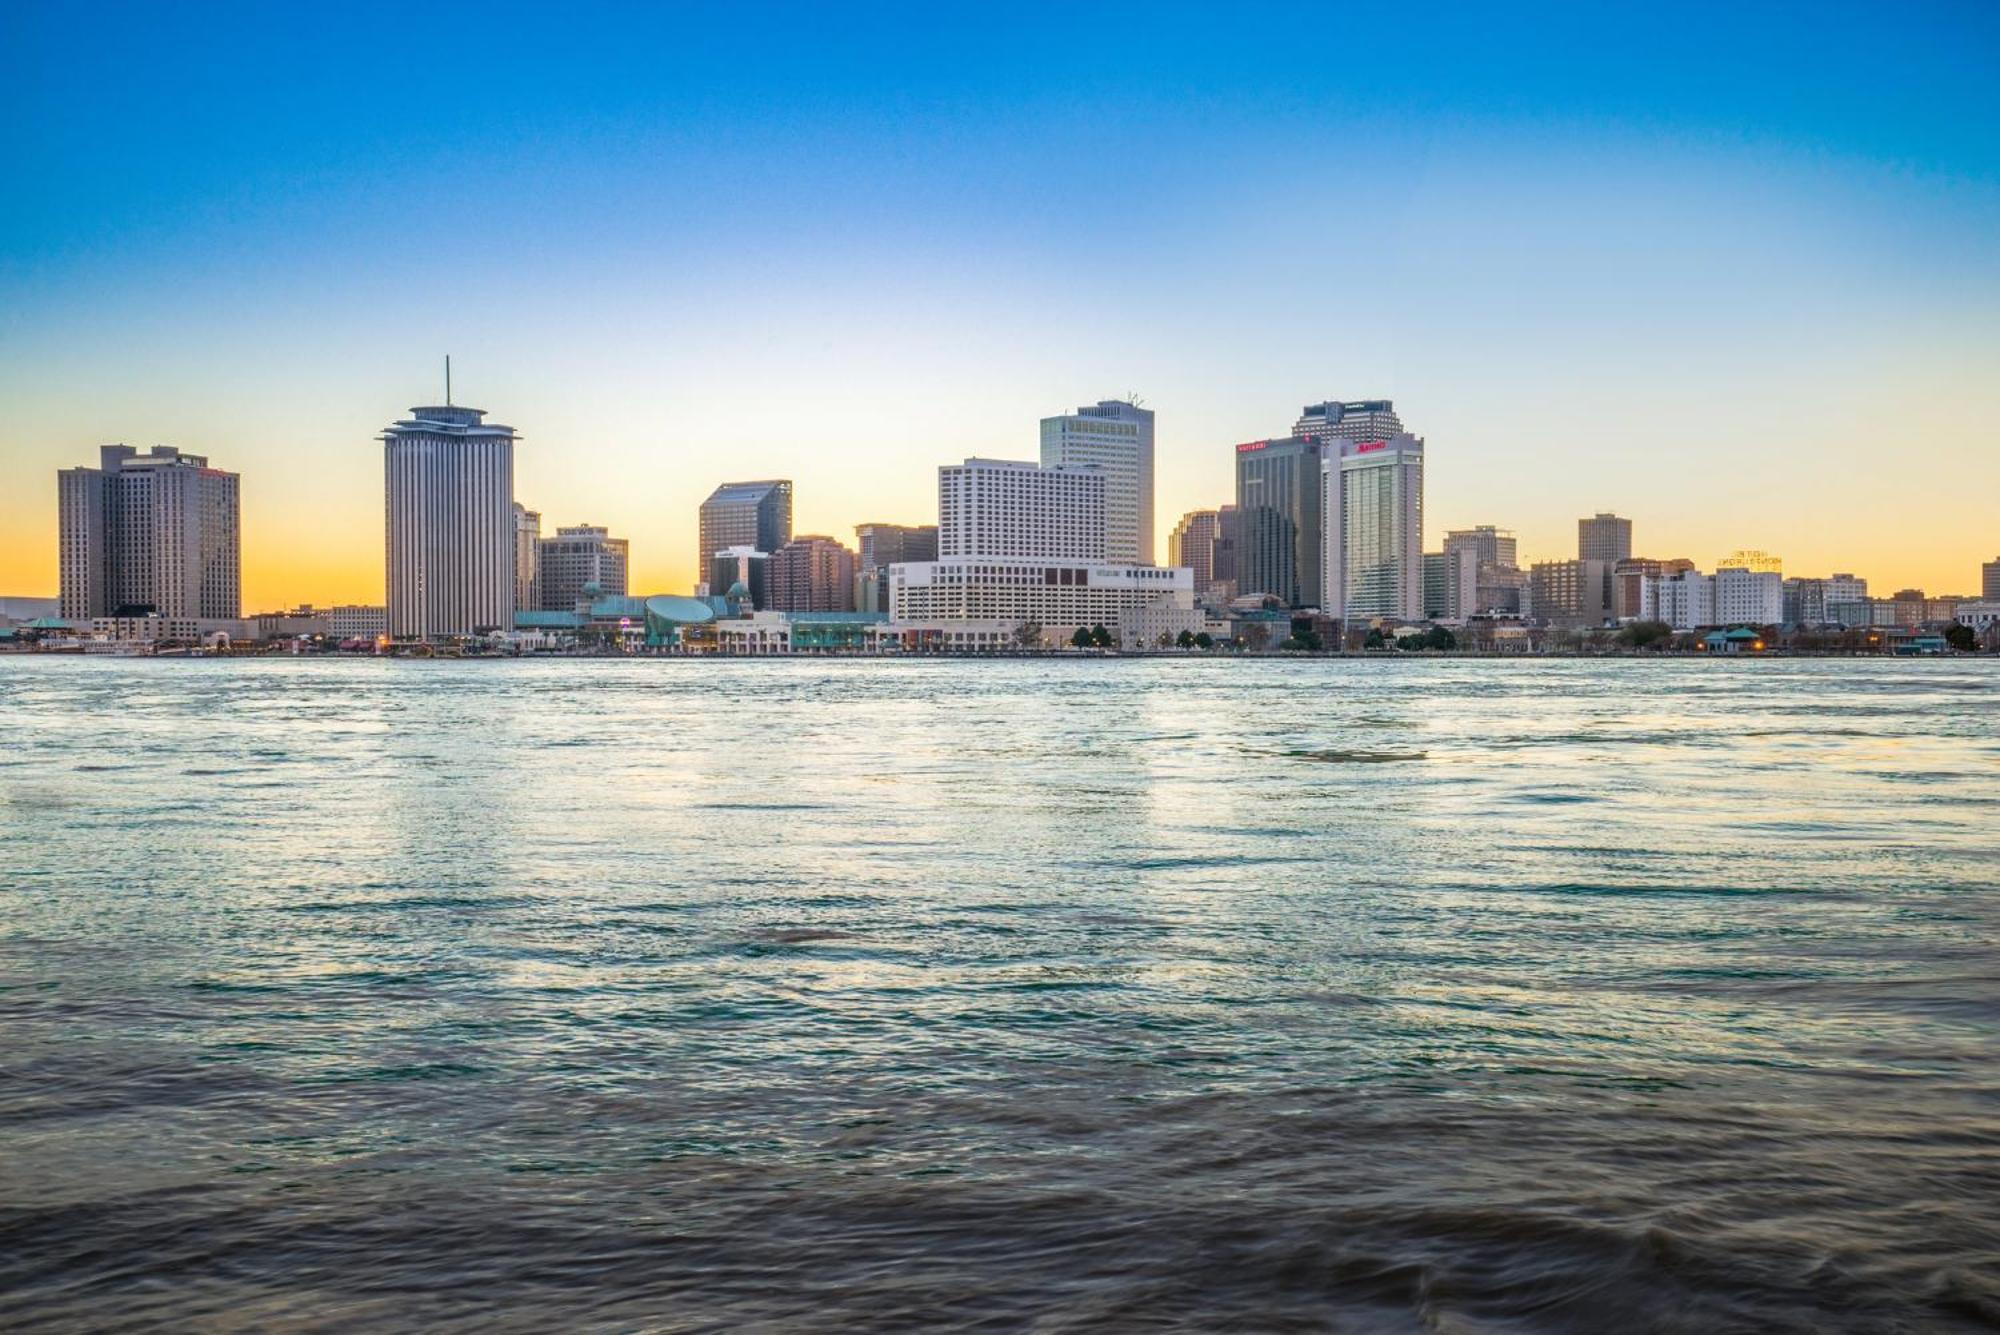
(447, 380)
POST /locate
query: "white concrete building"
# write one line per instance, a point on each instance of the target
(1732, 596)
(1022, 545)
(356, 621)
(1748, 597)
(1685, 600)
(1372, 508)
(1159, 624)
(452, 532)
(1003, 508)
(1014, 592)
(1983, 616)
(169, 630)
(1116, 438)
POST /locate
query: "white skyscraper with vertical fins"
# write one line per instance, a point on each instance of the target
(452, 528)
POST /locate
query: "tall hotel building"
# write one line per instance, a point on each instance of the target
(1481, 575)
(1021, 544)
(1117, 438)
(1373, 503)
(1192, 544)
(1368, 419)
(527, 558)
(579, 562)
(812, 573)
(158, 531)
(453, 533)
(882, 546)
(996, 507)
(1280, 541)
(757, 515)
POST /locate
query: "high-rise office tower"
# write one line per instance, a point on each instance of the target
(999, 507)
(1603, 537)
(578, 560)
(1228, 541)
(1279, 490)
(1367, 419)
(1117, 438)
(740, 572)
(1481, 572)
(757, 515)
(811, 574)
(1572, 593)
(1495, 546)
(158, 531)
(882, 546)
(1437, 588)
(1989, 581)
(1373, 503)
(1192, 544)
(452, 533)
(527, 558)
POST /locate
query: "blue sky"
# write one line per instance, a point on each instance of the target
(1719, 267)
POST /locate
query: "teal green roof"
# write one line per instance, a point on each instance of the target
(836, 618)
(686, 611)
(547, 621)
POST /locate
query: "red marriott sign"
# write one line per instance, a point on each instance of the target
(1367, 445)
(1253, 445)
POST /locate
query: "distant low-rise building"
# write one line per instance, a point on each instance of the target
(1572, 593)
(356, 621)
(1837, 600)
(1628, 576)
(1732, 596)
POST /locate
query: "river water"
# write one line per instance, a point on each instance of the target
(1455, 996)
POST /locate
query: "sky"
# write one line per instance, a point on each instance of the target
(1731, 270)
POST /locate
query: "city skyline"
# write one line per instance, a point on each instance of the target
(1382, 412)
(1733, 321)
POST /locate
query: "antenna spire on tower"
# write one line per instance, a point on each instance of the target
(447, 380)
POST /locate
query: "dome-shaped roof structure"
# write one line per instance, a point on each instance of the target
(738, 590)
(680, 611)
